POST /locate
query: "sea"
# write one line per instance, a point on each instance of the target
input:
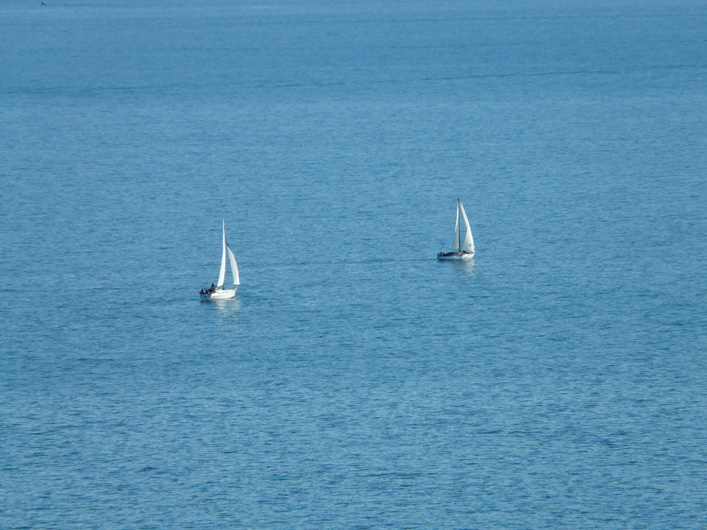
(556, 381)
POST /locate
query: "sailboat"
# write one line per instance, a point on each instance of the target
(218, 292)
(461, 249)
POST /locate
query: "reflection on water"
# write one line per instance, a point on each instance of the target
(464, 266)
(227, 307)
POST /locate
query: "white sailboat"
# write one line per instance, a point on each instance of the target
(460, 249)
(218, 292)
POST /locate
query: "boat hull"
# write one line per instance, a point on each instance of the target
(219, 294)
(454, 256)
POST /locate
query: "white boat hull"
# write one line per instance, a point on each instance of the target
(454, 256)
(219, 294)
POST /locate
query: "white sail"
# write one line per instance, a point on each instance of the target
(222, 273)
(468, 245)
(219, 293)
(461, 249)
(234, 267)
(457, 238)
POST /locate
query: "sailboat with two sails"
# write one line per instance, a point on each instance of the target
(217, 292)
(461, 249)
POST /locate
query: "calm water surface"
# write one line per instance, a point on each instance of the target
(557, 381)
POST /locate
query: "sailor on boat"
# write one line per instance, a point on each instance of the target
(460, 254)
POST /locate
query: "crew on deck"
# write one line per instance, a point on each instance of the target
(208, 290)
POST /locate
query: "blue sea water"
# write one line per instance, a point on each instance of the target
(557, 381)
